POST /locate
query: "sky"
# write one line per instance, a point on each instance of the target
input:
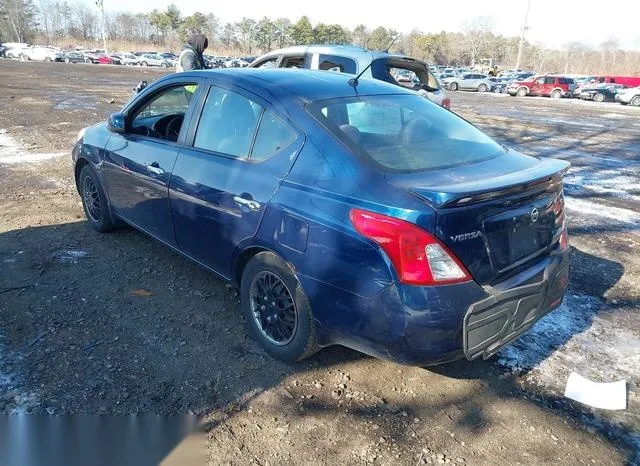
(551, 22)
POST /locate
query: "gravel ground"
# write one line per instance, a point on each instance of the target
(119, 324)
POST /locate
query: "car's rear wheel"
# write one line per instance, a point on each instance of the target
(23, 57)
(482, 88)
(163, 65)
(144, 63)
(453, 86)
(598, 98)
(556, 94)
(521, 92)
(94, 201)
(87, 60)
(277, 309)
(66, 60)
(635, 101)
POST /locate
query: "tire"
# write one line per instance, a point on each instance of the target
(66, 60)
(598, 98)
(556, 94)
(482, 88)
(268, 274)
(635, 101)
(163, 65)
(87, 60)
(521, 92)
(23, 57)
(94, 201)
(144, 63)
(47, 59)
(453, 86)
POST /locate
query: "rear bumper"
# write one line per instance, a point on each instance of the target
(433, 325)
(491, 323)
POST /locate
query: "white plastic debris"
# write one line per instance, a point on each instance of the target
(612, 395)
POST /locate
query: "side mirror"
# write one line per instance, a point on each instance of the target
(116, 123)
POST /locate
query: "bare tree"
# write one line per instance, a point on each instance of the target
(85, 20)
(477, 32)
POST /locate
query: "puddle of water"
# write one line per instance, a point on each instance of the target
(70, 256)
(13, 153)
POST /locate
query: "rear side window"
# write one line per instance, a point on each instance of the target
(273, 136)
(404, 133)
(336, 63)
(227, 124)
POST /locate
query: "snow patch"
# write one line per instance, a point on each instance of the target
(11, 152)
(69, 256)
(619, 215)
(623, 183)
(574, 337)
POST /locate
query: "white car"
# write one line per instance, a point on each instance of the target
(151, 59)
(14, 49)
(39, 53)
(629, 96)
(128, 59)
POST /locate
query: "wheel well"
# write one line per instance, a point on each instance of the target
(78, 168)
(242, 261)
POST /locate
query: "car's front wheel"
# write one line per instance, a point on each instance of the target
(598, 98)
(482, 88)
(144, 63)
(635, 101)
(521, 92)
(94, 200)
(277, 309)
(453, 86)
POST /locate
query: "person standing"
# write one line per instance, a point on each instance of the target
(191, 57)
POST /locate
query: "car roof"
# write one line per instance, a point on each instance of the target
(306, 85)
(349, 51)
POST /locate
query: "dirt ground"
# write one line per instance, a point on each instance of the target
(119, 324)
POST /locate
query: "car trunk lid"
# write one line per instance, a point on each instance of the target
(496, 215)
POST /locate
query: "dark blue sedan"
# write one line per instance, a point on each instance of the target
(353, 213)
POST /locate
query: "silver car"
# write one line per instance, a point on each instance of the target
(396, 69)
(469, 82)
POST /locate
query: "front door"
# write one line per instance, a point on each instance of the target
(222, 183)
(138, 163)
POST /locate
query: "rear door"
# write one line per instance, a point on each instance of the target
(137, 164)
(239, 152)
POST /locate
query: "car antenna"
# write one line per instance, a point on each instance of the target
(353, 82)
(392, 42)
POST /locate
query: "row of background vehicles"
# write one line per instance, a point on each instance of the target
(520, 83)
(26, 52)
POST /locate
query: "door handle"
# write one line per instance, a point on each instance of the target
(155, 169)
(250, 203)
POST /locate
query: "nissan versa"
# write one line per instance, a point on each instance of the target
(347, 211)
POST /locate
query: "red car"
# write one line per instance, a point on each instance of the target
(98, 58)
(628, 81)
(548, 86)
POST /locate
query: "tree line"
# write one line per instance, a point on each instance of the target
(58, 22)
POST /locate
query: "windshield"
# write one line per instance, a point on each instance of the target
(404, 132)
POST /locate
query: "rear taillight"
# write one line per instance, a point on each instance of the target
(446, 103)
(417, 256)
(564, 239)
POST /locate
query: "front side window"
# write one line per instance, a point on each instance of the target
(404, 132)
(162, 116)
(269, 63)
(293, 62)
(550, 80)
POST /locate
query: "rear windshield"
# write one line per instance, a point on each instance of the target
(404, 132)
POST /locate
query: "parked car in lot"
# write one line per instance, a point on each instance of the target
(499, 85)
(354, 60)
(346, 213)
(549, 86)
(39, 53)
(601, 92)
(469, 82)
(14, 49)
(98, 58)
(629, 96)
(72, 56)
(128, 59)
(628, 81)
(152, 59)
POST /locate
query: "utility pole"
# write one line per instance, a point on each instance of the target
(100, 4)
(524, 30)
